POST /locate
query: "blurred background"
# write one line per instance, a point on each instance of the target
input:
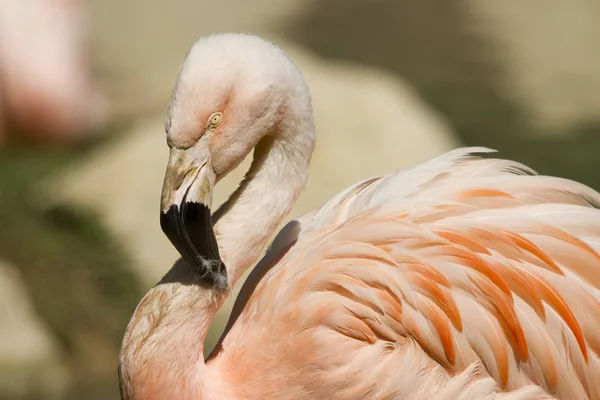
(84, 88)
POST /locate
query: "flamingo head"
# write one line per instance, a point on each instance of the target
(232, 91)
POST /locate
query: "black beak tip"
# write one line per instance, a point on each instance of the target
(189, 228)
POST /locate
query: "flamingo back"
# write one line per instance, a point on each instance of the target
(459, 278)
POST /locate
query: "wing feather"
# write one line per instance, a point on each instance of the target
(475, 260)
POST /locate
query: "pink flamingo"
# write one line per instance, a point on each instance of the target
(46, 91)
(460, 278)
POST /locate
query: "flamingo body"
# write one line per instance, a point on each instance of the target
(422, 282)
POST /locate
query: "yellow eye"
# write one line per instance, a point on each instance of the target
(215, 119)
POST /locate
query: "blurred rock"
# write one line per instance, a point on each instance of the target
(30, 362)
(550, 54)
(368, 123)
(499, 71)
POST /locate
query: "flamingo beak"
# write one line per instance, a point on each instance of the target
(185, 211)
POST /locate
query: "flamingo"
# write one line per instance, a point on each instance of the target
(463, 277)
(47, 93)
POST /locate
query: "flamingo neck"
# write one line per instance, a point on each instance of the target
(162, 351)
(245, 223)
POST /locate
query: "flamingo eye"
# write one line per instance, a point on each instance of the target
(215, 119)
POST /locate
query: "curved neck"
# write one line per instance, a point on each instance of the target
(162, 351)
(248, 219)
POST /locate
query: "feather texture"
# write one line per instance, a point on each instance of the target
(461, 277)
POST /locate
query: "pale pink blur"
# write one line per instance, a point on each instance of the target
(47, 93)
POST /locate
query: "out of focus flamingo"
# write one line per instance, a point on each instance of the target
(46, 90)
(460, 278)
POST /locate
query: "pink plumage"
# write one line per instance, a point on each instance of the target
(459, 278)
(47, 92)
